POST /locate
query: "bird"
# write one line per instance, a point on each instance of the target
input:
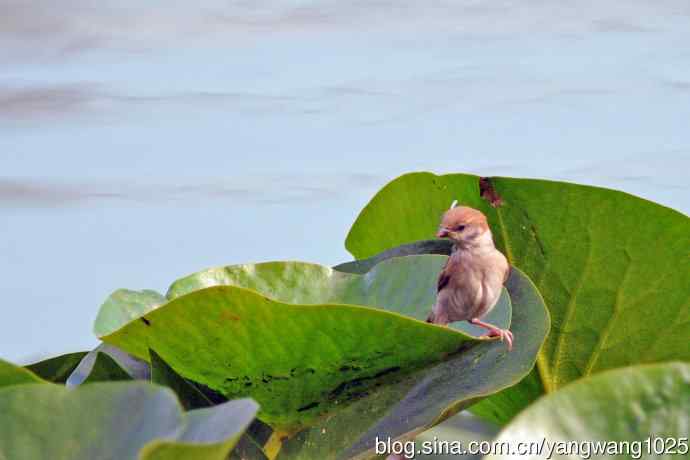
(472, 279)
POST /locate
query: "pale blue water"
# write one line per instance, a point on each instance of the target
(141, 143)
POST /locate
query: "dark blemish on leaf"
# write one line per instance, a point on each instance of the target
(248, 384)
(340, 389)
(296, 372)
(147, 322)
(489, 193)
(390, 370)
(438, 185)
(267, 378)
(308, 406)
(357, 382)
(347, 368)
(382, 354)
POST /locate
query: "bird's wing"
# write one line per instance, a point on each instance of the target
(444, 276)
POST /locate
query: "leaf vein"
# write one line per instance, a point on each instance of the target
(570, 311)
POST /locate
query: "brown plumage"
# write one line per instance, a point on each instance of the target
(470, 284)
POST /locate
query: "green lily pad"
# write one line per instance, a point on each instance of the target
(297, 361)
(133, 420)
(11, 374)
(429, 396)
(405, 285)
(324, 364)
(612, 267)
(57, 369)
(644, 410)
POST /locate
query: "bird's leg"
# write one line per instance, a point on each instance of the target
(494, 331)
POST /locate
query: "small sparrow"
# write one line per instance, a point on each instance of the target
(471, 281)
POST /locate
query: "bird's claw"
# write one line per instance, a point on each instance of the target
(505, 336)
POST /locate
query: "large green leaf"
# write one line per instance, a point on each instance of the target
(428, 396)
(405, 285)
(297, 361)
(211, 310)
(618, 409)
(114, 420)
(11, 374)
(613, 268)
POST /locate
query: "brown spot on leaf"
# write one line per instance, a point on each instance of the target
(147, 322)
(229, 316)
(489, 193)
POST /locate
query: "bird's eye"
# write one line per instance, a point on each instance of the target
(460, 228)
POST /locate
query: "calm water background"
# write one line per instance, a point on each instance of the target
(142, 143)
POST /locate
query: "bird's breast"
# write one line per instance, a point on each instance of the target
(476, 287)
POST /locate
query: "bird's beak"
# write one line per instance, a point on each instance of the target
(442, 232)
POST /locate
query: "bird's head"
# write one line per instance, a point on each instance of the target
(465, 226)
